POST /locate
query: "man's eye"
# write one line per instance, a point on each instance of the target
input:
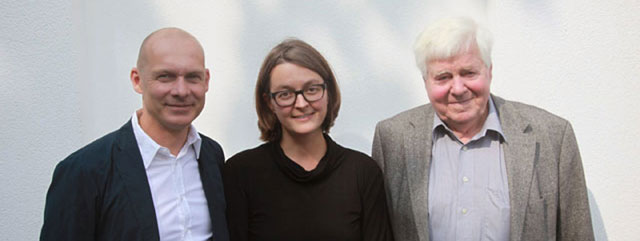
(468, 73)
(164, 77)
(193, 77)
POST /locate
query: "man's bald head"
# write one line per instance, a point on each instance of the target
(172, 79)
(170, 35)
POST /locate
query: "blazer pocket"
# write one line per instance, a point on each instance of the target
(539, 223)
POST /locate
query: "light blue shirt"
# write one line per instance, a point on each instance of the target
(468, 186)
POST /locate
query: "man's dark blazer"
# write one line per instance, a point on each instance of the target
(101, 192)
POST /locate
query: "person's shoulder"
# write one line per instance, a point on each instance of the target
(398, 124)
(529, 113)
(361, 165)
(408, 115)
(249, 157)
(209, 143)
(91, 157)
(212, 148)
(359, 159)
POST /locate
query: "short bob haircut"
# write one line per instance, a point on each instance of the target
(296, 52)
(449, 37)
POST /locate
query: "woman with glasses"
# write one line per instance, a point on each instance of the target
(300, 184)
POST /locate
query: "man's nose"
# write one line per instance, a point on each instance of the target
(180, 87)
(458, 86)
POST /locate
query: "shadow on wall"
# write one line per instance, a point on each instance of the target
(596, 218)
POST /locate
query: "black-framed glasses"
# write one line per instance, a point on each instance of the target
(311, 93)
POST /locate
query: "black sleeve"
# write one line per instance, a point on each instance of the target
(70, 209)
(375, 217)
(237, 207)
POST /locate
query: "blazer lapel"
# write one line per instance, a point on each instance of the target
(129, 165)
(520, 154)
(210, 165)
(210, 177)
(418, 157)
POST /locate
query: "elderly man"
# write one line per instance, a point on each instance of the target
(155, 178)
(473, 166)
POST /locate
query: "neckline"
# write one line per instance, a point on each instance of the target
(329, 161)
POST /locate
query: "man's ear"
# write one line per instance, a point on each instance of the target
(424, 81)
(490, 72)
(207, 76)
(136, 81)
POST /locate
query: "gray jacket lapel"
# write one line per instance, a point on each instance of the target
(418, 158)
(520, 154)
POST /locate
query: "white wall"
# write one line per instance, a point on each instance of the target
(64, 69)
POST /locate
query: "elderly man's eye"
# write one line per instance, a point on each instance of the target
(442, 77)
(467, 73)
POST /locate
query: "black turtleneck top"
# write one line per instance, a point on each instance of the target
(270, 197)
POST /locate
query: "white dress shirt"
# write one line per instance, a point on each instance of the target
(176, 188)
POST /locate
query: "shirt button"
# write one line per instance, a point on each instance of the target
(464, 148)
(464, 211)
(465, 179)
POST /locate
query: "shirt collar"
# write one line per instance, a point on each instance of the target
(491, 123)
(149, 148)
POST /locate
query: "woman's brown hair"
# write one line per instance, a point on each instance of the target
(302, 54)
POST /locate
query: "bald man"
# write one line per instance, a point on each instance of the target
(156, 178)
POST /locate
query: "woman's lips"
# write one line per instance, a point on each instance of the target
(303, 117)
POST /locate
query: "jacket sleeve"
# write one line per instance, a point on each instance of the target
(375, 217)
(70, 209)
(376, 149)
(574, 218)
(237, 204)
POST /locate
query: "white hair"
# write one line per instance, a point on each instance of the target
(449, 37)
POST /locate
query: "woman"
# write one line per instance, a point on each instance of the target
(300, 184)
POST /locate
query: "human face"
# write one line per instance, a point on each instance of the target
(303, 117)
(173, 83)
(458, 88)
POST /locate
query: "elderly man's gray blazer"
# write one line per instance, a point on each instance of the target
(547, 190)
